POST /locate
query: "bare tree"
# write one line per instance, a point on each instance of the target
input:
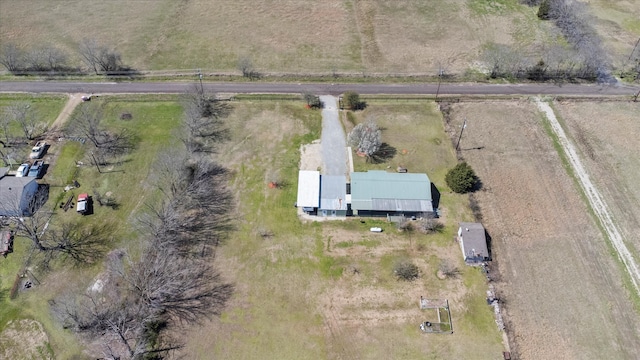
(138, 300)
(504, 60)
(203, 125)
(83, 244)
(574, 21)
(179, 288)
(366, 138)
(53, 58)
(11, 57)
(245, 65)
(36, 60)
(430, 225)
(172, 283)
(195, 213)
(27, 118)
(100, 58)
(447, 269)
(107, 144)
(5, 127)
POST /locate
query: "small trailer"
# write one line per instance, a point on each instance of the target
(82, 206)
(6, 242)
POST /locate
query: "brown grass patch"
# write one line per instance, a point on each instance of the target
(560, 284)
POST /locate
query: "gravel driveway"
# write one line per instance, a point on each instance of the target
(333, 140)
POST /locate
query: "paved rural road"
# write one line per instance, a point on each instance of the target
(333, 89)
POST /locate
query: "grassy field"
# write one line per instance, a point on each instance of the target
(45, 107)
(327, 290)
(129, 182)
(618, 23)
(333, 35)
(609, 152)
(554, 264)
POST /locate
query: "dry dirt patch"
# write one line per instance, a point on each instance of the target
(24, 339)
(368, 304)
(561, 287)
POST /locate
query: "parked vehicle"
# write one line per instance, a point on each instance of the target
(23, 170)
(82, 206)
(36, 169)
(38, 150)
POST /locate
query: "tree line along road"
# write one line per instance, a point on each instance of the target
(319, 88)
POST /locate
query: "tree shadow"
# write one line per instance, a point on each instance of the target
(360, 105)
(385, 153)
(477, 186)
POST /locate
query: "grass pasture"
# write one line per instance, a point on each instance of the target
(609, 152)
(553, 263)
(45, 107)
(618, 23)
(130, 182)
(372, 36)
(327, 290)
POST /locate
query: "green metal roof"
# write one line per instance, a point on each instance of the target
(368, 189)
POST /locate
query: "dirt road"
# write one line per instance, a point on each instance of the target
(74, 100)
(596, 201)
(562, 290)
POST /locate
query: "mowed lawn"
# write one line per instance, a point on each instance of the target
(307, 290)
(409, 36)
(44, 108)
(563, 288)
(130, 182)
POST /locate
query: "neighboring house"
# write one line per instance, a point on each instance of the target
(16, 195)
(380, 193)
(308, 191)
(333, 195)
(473, 242)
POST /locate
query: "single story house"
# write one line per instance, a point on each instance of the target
(473, 242)
(380, 193)
(333, 195)
(308, 191)
(16, 194)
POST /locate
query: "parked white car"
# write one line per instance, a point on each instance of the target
(38, 150)
(23, 170)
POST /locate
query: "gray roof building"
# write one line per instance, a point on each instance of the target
(473, 243)
(381, 191)
(16, 195)
(333, 192)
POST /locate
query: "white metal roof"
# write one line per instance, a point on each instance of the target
(308, 188)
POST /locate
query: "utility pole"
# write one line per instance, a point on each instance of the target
(634, 49)
(464, 125)
(200, 76)
(440, 73)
